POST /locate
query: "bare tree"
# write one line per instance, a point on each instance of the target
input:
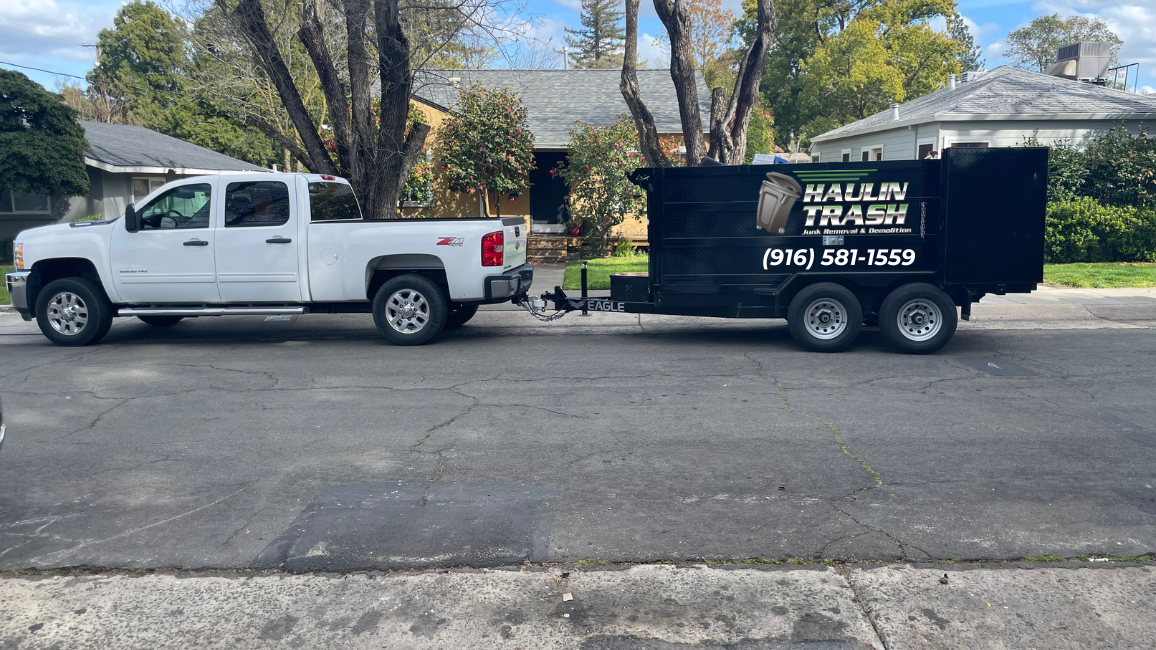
(729, 120)
(728, 126)
(350, 45)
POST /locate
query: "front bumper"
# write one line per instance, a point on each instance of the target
(18, 291)
(515, 282)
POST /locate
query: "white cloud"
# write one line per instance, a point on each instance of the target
(655, 55)
(43, 27)
(575, 5)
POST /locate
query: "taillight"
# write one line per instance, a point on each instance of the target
(492, 249)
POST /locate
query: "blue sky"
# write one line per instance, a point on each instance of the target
(49, 34)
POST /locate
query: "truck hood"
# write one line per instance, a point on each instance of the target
(57, 231)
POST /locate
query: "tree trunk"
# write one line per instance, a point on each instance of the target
(312, 37)
(648, 138)
(356, 13)
(676, 19)
(728, 129)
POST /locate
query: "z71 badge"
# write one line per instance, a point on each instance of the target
(451, 241)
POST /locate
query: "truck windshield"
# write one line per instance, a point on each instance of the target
(332, 202)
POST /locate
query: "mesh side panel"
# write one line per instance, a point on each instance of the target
(712, 224)
(692, 189)
(713, 261)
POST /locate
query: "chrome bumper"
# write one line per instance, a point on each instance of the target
(18, 291)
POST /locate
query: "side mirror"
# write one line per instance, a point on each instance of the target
(131, 218)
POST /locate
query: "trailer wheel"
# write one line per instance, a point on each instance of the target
(918, 318)
(825, 317)
(460, 314)
(410, 310)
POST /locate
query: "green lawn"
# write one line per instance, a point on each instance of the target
(4, 300)
(1105, 275)
(598, 271)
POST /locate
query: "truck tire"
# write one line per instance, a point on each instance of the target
(73, 312)
(918, 318)
(460, 314)
(825, 317)
(161, 321)
(410, 310)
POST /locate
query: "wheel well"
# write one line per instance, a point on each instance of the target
(46, 271)
(378, 277)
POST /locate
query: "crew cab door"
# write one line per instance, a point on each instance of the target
(170, 259)
(257, 242)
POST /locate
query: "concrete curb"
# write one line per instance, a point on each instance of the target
(654, 606)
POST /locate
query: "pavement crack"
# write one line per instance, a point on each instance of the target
(242, 527)
(837, 434)
(858, 596)
(95, 421)
(437, 453)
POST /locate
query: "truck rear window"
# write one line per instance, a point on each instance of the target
(332, 202)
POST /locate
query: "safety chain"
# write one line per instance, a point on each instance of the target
(545, 318)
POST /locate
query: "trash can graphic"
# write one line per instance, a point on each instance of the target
(776, 199)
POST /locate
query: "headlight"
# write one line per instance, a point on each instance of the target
(18, 256)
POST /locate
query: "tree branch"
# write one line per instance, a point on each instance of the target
(250, 18)
(272, 133)
(312, 36)
(731, 131)
(643, 119)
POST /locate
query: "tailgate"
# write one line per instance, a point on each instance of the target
(514, 238)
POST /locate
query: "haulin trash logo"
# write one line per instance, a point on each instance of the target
(833, 206)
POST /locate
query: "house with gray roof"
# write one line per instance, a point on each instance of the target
(554, 101)
(999, 108)
(124, 164)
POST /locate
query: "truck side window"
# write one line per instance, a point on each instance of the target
(332, 202)
(182, 207)
(256, 203)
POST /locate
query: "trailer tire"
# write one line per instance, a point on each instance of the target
(410, 310)
(825, 317)
(160, 321)
(460, 314)
(918, 318)
(73, 312)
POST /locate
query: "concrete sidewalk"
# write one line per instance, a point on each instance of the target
(889, 607)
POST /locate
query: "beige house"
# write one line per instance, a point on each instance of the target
(554, 100)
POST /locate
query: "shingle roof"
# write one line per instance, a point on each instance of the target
(125, 146)
(555, 98)
(1010, 91)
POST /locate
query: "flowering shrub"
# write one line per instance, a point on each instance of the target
(595, 169)
(485, 144)
(419, 187)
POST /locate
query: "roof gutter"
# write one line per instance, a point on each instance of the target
(985, 117)
(161, 171)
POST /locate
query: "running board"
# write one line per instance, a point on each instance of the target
(210, 311)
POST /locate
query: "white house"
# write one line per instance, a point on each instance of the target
(1000, 108)
(124, 164)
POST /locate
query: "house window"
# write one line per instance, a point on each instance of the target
(815, 157)
(24, 203)
(143, 186)
(846, 155)
(925, 150)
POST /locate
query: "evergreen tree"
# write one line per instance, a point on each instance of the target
(601, 39)
(43, 146)
(968, 57)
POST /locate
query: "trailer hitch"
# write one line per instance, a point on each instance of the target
(562, 303)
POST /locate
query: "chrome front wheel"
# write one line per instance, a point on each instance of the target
(67, 313)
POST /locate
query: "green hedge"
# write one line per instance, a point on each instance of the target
(1083, 230)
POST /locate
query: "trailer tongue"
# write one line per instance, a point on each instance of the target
(834, 246)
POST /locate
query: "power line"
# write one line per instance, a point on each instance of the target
(26, 67)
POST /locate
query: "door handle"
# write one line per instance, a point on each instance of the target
(279, 240)
(196, 242)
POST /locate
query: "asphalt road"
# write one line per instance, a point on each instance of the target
(312, 444)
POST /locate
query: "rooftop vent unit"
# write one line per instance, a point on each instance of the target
(972, 76)
(1083, 61)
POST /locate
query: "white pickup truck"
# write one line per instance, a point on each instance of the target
(263, 244)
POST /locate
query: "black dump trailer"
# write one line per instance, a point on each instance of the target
(834, 246)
